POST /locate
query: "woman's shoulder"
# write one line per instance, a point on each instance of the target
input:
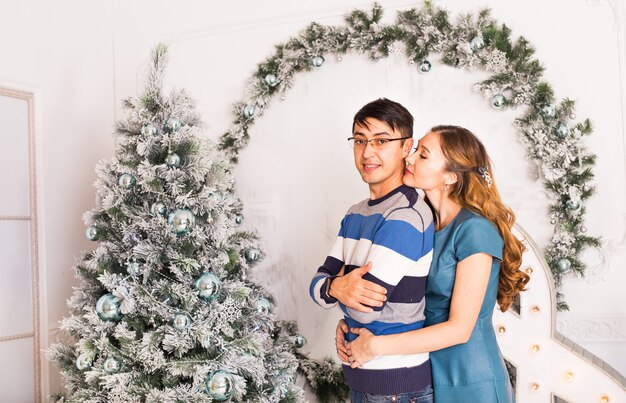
(469, 224)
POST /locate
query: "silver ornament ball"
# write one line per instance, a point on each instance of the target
(182, 221)
(239, 219)
(317, 61)
(108, 308)
(92, 233)
(158, 209)
(561, 130)
(477, 44)
(208, 286)
(252, 255)
(181, 321)
(424, 66)
(548, 111)
(299, 341)
(583, 229)
(149, 130)
(553, 221)
(112, 365)
(127, 181)
(563, 265)
(263, 306)
(249, 111)
(573, 205)
(219, 385)
(498, 101)
(172, 160)
(82, 362)
(271, 80)
(172, 124)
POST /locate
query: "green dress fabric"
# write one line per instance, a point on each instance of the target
(473, 371)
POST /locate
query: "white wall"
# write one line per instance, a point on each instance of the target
(84, 58)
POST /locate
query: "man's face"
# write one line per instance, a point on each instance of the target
(379, 164)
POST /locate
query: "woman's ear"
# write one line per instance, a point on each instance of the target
(450, 178)
(407, 147)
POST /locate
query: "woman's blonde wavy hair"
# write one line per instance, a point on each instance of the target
(477, 192)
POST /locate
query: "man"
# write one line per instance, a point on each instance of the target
(382, 254)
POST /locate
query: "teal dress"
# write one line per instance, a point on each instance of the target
(474, 371)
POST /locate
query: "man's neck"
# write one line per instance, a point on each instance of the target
(379, 190)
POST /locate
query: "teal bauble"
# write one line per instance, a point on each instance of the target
(208, 286)
(172, 124)
(424, 66)
(477, 44)
(134, 268)
(92, 233)
(263, 306)
(252, 255)
(573, 205)
(219, 385)
(239, 219)
(181, 321)
(108, 308)
(172, 160)
(563, 265)
(317, 61)
(548, 111)
(83, 362)
(299, 341)
(127, 181)
(182, 221)
(249, 111)
(271, 80)
(112, 365)
(498, 101)
(149, 130)
(158, 208)
(562, 130)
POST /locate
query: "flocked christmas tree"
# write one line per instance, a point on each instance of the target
(165, 311)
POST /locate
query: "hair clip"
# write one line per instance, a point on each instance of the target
(484, 172)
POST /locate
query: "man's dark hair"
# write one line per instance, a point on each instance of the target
(392, 113)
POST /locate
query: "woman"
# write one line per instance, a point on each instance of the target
(476, 261)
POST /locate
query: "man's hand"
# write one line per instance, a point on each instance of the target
(356, 293)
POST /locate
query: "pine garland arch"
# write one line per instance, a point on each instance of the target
(547, 129)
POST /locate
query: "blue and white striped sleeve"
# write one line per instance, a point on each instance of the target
(318, 288)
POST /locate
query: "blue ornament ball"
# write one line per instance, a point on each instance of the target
(181, 321)
(219, 385)
(158, 208)
(299, 341)
(249, 111)
(149, 130)
(424, 66)
(271, 80)
(263, 306)
(562, 130)
(563, 265)
(127, 180)
(477, 44)
(548, 111)
(108, 308)
(83, 362)
(182, 221)
(172, 160)
(498, 101)
(239, 219)
(252, 255)
(112, 365)
(208, 286)
(92, 233)
(172, 124)
(134, 268)
(317, 61)
(573, 205)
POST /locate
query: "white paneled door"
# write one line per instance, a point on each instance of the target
(19, 280)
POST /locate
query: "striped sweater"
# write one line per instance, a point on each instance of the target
(395, 233)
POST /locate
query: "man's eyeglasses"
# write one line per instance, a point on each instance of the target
(376, 143)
